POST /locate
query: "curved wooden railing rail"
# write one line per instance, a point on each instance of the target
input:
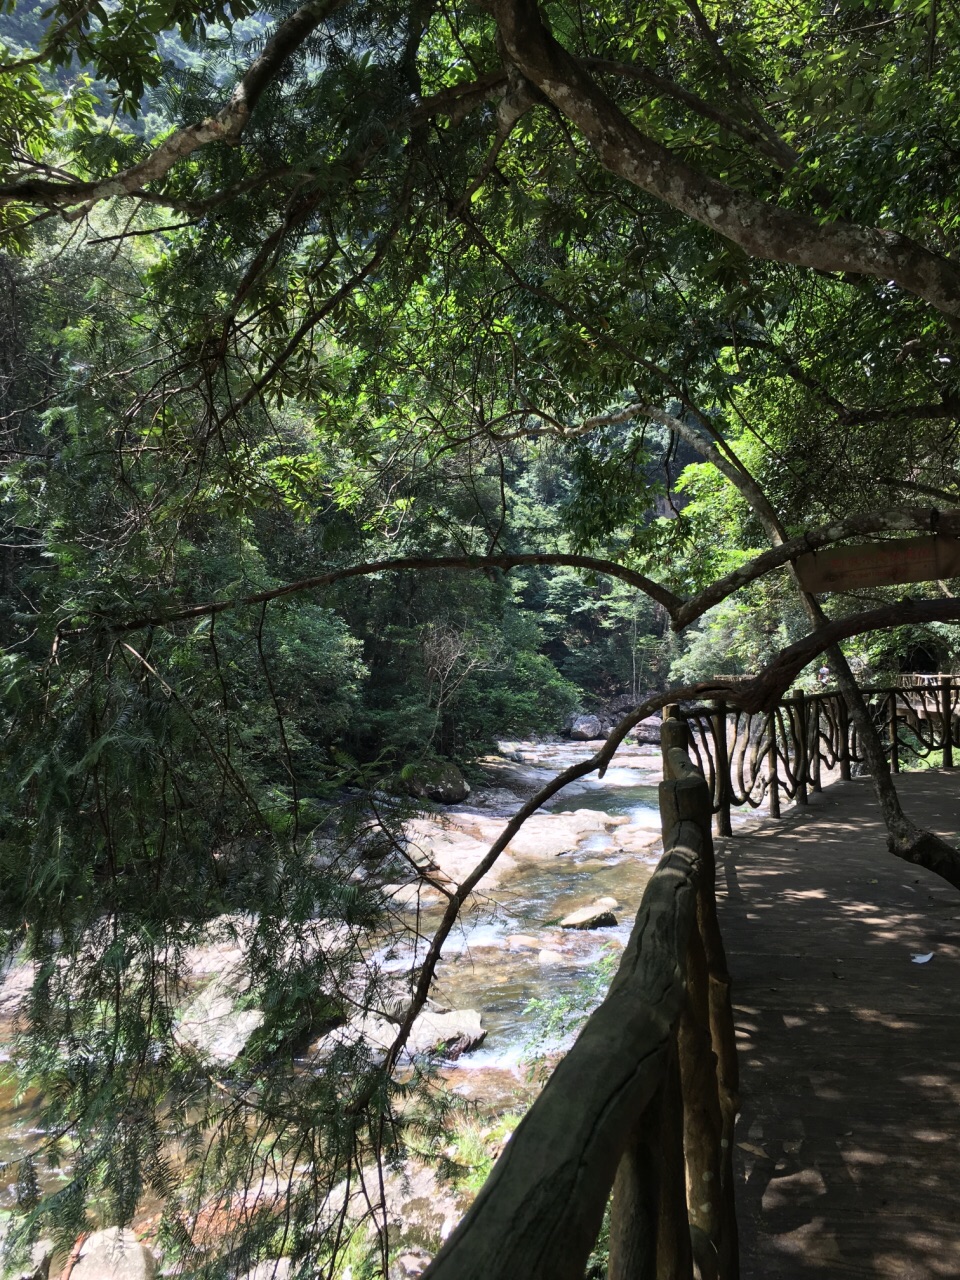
(639, 1115)
(752, 758)
(643, 1105)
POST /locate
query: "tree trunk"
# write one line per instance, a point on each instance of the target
(904, 838)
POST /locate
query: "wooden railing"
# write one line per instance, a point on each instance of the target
(784, 754)
(640, 1113)
(637, 1119)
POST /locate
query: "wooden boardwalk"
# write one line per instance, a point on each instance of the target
(849, 1139)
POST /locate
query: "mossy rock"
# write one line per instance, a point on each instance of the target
(439, 780)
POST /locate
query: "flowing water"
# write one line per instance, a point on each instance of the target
(509, 951)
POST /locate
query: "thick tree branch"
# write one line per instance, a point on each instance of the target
(761, 229)
(719, 453)
(226, 126)
(919, 518)
(762, 692)
(286, 40)
(474, 563)
(682, 612)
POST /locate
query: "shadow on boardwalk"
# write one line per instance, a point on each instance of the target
(849, 1139)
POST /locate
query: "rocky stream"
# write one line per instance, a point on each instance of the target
(563, 895)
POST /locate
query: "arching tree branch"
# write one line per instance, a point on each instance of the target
(228, 125)
(761, 692)
(474, 563)
(918, 518)
(681, 612)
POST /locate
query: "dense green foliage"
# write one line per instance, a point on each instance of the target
(399, 298)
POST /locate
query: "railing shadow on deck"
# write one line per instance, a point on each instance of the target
(849, 1053)
(640, 1112)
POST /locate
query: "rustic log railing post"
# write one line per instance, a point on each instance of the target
(723, 769)
(815, 711)
(674, 1255)
(706, 1041)
(702, 1122)
(643, 1243)
(803, 764)
(773, 786)
(892, 731)
(674, 732)
(946, 719)
(639, 1193)
(843, 734)
(723, 1092)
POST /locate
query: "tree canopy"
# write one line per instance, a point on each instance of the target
(447, 231)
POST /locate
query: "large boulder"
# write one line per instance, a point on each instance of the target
(213, 1023)
(546, 835)
(421, 1208)
(455, 842)
(115, 1254)
(450, 1032)
(636, 838)
(456, 1031)
(586, 728)
(438, 780)
(648, 730)
(599, 915)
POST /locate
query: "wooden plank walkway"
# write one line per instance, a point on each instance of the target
(849, 1138)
